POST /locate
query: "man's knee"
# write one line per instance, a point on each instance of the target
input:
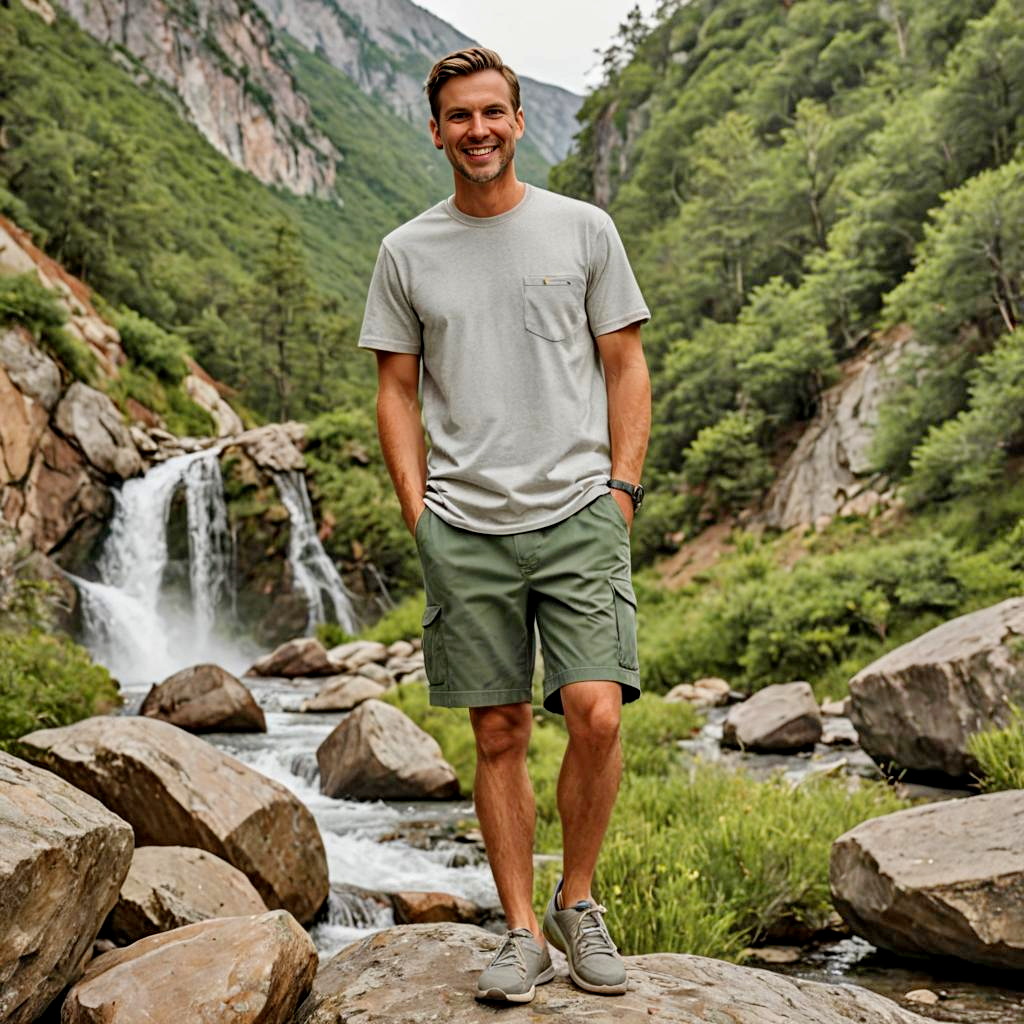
(593, 712)
(502, 731)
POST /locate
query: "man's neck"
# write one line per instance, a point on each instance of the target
(491, 198)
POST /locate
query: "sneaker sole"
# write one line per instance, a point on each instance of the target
(554, 935)
(498, 995)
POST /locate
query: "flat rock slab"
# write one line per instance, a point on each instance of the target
(63, 856)
(343, 693)
(415, 974)
(204, 698)
(168, 887)
(247, 970)
(781, 717)
(378, 753)
(916, 707)
(304, 656)
(946, 879)
(177, 790)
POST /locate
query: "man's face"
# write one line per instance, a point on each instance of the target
(476, 126)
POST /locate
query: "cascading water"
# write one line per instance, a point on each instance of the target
(132, 624)
(314, 572)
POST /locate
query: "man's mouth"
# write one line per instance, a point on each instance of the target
(480, 151)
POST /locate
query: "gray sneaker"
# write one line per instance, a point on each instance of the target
(580, 933)
(519, 965)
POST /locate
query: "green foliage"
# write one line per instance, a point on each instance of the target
(728, 460)
(149, 345)
(330, 634)
(24, 300)
(400, 623)
(47, 681)
(1000, 754)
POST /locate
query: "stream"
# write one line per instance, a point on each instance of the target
(374, 846)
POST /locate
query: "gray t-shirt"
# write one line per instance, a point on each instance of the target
(504, 311)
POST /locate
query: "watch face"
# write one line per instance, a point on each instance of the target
(638, 496)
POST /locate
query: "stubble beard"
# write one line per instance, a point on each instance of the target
(483, 177)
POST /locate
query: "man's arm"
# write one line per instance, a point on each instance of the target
(401, 431)
(629, 407)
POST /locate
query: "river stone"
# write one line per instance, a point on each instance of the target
(400, 649)
(249, 970)
(916, 706)
(377, 753)
(177, 790)
(171, 886)
(432, 907)
(304, 656)
(780, 717)
(90, 419)
(378, 673)
(945, 879)
(342, 693)
(204, 698)
(369, 654)
(420, 974)
(63, 856)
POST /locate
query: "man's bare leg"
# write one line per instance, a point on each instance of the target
(503, 797)
(589, 780)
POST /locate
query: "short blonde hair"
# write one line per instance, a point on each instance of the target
(467, 62)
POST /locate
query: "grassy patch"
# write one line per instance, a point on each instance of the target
(1000, 755)
(47, 680)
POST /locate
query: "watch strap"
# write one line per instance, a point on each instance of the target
(635, 491)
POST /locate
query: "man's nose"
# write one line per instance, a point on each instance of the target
(478, 125)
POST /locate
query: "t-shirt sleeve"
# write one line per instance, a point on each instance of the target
(614, 299)
(389, 321)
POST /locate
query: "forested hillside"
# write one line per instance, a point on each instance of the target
(789, 178)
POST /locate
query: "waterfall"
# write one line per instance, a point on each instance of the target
(132, 624)
(314, 572)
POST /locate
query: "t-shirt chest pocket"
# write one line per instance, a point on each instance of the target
(553, 305)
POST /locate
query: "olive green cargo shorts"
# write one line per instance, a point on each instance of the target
(486, 593)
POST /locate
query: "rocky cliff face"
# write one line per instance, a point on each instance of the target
(220, 59)
(388, 46)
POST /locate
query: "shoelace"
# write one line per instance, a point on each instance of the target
(592, 932)
(510, 955)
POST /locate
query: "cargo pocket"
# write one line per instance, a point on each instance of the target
(625, 623)
(434, 658)
(553, 306)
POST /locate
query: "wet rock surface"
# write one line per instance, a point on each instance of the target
(378, 753)
(204, 698)
(419, 973)
(777, 718)
(62, 859)
(946, 879)
(169, 887)
(177, 790)
(304, 656)
(249, 970)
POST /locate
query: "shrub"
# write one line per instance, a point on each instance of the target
(148, 344)
(404, 621)
(1000, 752)
(47, 680)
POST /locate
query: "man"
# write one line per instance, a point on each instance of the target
(521, 310)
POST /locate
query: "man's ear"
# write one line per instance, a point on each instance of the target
(435, 135)
(520, 123)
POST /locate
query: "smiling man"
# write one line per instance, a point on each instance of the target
(518, 310)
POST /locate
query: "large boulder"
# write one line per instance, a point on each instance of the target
(63, 857)
(204, 698)
(377, 753)
(90, 420)
(945, 879)
(177, 790)
(780, 717)
(249, 970)
(916, 707)
(304, 656)
(417, 974)
(169, 887)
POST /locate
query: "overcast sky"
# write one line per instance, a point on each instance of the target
(550, 40)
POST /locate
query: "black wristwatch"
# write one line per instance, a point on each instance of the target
(635, 491)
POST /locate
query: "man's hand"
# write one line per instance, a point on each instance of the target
(412, 516)
(625, 502)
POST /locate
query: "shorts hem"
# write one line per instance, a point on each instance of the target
(628, 679)
(441, 698)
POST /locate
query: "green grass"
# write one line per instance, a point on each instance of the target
(47, 680)
(1000, 754)
(698, 859)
